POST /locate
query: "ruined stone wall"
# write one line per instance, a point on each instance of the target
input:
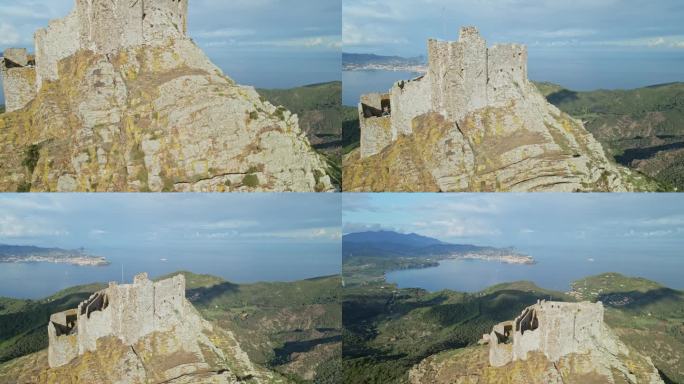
(376, 130)
(458, 74)
(169, 298)
(507, 73)
(554, 328)
(59, 40)
(568, 327)
(128, 312)
(19, 86)
(62, 348)
(376, 134)
(105, 26)
(164, 18)
(409, 99)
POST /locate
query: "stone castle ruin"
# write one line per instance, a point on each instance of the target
(128, 312)
(555, 329)
(463, 76)
(98, 26)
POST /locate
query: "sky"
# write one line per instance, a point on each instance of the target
(265, 43)
(512, 219)
(581, 44)
(185, 220)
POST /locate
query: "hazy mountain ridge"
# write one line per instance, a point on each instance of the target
(392, 244)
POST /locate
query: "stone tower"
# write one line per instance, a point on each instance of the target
(100, 26)
(463, 76)
(555, 329)
(127, 312)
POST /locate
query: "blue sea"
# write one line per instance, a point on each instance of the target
(241, 263)
(555, 269)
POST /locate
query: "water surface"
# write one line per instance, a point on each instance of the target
(238, 263)
(555, 269)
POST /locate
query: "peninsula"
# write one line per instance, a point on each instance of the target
(32, 254)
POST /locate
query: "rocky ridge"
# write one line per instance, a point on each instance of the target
(148, 113)
(475, 122)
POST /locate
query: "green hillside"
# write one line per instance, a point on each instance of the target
(641, 128)
(388, 330)
(23, 323)
(293, 327)
(351, 132)
(319, 107)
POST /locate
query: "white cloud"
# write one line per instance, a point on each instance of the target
(8, 34)
(97, 232)
(457, 227)
(563, 33)
(332, 42)
(223, 33)
(229, 224)
(14, 227)
(527, 231)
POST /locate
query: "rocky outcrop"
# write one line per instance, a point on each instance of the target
(145, 332)
(550, 342)
(474, 122)
(125, 101)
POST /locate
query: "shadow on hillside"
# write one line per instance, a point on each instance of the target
(561, 96)
(636, 300)
(283, 354)
(632, 154)
(205, 295)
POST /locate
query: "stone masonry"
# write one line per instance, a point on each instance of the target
(463, 76)
(18, 78)
(555, 329)
(100, 26)
(128, 312)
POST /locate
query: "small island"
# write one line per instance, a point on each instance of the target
(33, 254)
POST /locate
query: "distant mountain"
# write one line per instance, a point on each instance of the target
(361, 61)
(394, 244)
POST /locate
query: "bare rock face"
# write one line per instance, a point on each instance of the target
(549, 343)
(475, 123)
(147, 111)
